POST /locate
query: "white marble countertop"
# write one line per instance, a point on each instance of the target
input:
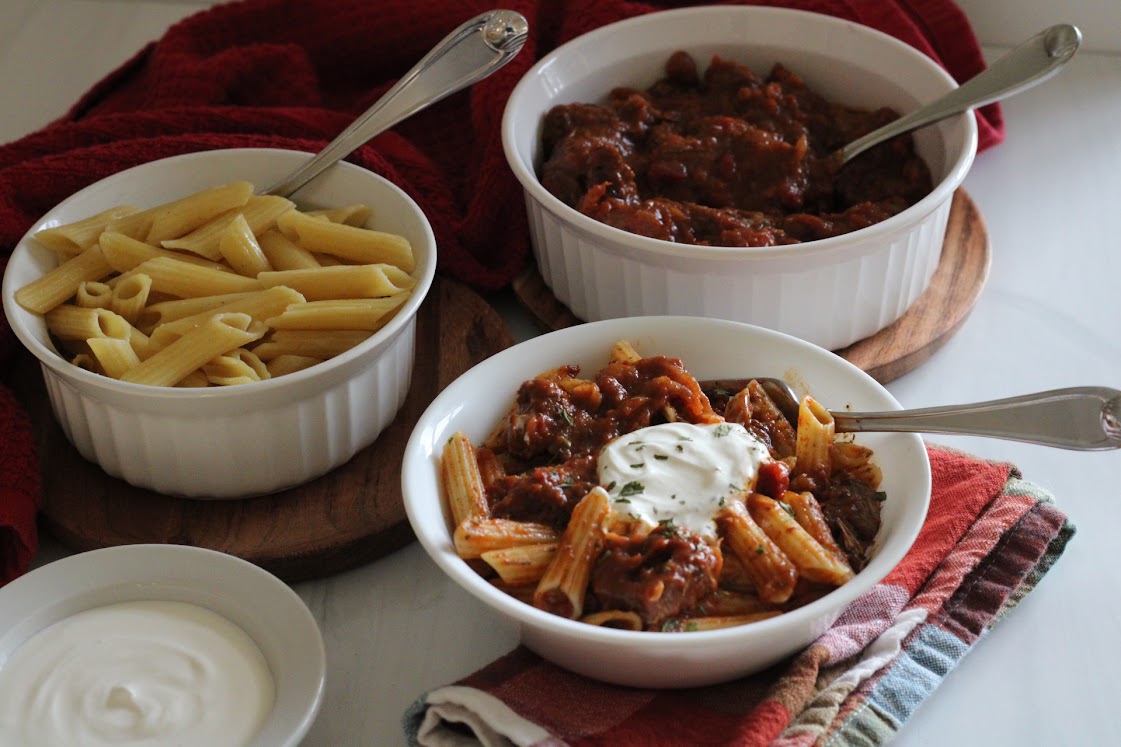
(1048, 317)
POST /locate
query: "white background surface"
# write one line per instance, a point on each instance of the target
(1047, 318)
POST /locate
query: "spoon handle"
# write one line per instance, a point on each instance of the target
(1081, 418)
(465, 56)
(1027, 65)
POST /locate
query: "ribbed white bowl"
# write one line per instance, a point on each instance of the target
(240, 441)
(831, 292)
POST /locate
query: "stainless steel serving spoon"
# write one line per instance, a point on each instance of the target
(465, 56)
(1082, 418)
(1028, 65)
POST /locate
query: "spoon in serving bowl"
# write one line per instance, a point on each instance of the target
(464, 57)
(1028, 65)
(1081, 418)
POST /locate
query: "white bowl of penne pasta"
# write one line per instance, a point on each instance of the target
(642, 534)
(201, 340)
(639, 206)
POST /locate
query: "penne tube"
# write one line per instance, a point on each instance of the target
(74, 238)
(370, 314)
(235, 367)
(361, 245)
(522, 564)
(260, 212)
(116, 357)
(772, 574)
(261, 305)
(240, 249)
(619, 619)
(194, 380)
(808, 513)
(623, 352)
(88, 362)
(724, 602)
(285, 254)
(562, 588)
(56, 286)
(282, 365)
(351, 215)
(716, 622)
(130, 296)
(178, 218)
(124, 253)
(479, 534)
(463, 483)
(343, 281)
(185, 280)
(814, 562)
(70, 322)
(310, 342)
(814, 438)
(169, 311)
(221, 334)
(93, 294)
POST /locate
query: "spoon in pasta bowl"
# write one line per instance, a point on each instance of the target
(1026, 66)
(468, 54)
(1079, 418)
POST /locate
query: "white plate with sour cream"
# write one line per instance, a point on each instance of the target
(157, 644)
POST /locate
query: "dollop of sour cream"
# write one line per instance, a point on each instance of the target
(680, 472)
(136, 673)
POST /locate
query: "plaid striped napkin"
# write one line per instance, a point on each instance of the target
(989, 537)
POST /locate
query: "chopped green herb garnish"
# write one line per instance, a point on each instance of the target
(881, 496)
(679, 447)
(634, 487)
(759, 550)
(661, 457)
(638, 465)
(622, 500)
(566, 416)
(722, 430)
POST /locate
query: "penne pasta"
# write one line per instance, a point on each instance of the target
(310, 343)
(56, 286)
(562, 587)
(772, 574)
(260, 212)
(342, 281)
(93, 294)
(807, 512)
(130, 296)
(814, 562)
(814, 438)
(351, 215)
(70, 322)
(124, 253)
(480, 534)
(620, 619)
(185, 280)
(285, 254)
(178, 218)
(521, 564)
(74, 238)
(239, 247)
(221, 334)
(115, 357)
(368, 314)
(361, 245)
(235, 367)
(282, 365)
(462, 480)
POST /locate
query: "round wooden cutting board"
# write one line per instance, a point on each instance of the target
(345, 518)
(893, 351)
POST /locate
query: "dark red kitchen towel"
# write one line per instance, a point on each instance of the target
(292, 74)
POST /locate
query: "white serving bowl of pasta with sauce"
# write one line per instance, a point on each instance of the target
(228, 442)
(157, 644)
(830, 291)
(477, 402)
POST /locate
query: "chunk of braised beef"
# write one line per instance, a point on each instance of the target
(852, 510)
(545, 495)
(658, 575)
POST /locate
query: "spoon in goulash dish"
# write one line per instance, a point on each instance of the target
(1081, 418)
(465, 56)
(1028, 65)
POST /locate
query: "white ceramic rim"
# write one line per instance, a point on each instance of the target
(326, 369)
(176, 573)
(609, 237)
(435, 544)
